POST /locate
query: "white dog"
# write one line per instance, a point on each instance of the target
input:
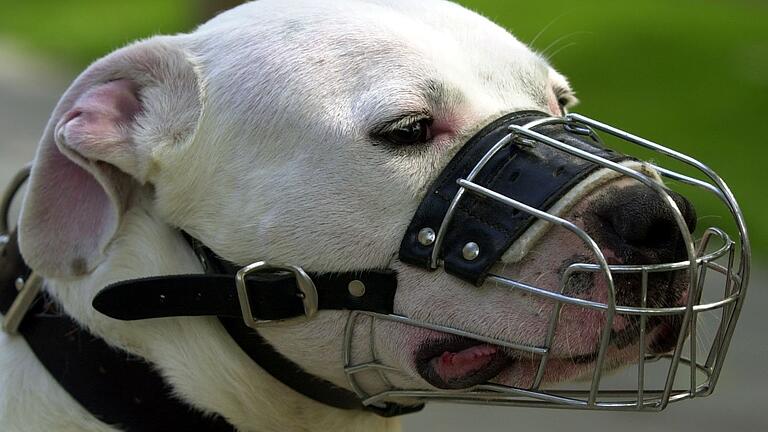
(271, 133)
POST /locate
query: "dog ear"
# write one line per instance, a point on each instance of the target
(97, 148)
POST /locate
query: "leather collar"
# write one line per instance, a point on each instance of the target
(272, 296)
(116, 387)
(123, 390)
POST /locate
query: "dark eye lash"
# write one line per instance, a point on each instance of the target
(399, 122)
(408, 120)
(404, 132)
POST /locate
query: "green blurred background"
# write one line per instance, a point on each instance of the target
(692, 74)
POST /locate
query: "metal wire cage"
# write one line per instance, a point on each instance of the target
(683, 373)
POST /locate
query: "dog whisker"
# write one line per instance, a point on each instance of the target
(562, 48)
(563, 38)
(545, 28)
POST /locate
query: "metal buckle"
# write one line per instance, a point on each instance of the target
(308, 292)
(28, 292)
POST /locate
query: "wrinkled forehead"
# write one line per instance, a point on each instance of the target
(370, 52)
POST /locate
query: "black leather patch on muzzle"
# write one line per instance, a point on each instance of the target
(531, 172)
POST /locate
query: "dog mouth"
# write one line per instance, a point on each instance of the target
(459, 363)
(455, 363)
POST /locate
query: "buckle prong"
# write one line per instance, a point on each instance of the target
(307, 291)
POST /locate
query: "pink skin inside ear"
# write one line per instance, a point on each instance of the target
(95, 129)
(76, 194)
(95, 126)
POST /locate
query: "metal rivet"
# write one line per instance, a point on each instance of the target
(19, 283)
(426, 236)
(471, 251)
(356, 288)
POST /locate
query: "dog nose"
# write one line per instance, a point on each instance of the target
(643, 223)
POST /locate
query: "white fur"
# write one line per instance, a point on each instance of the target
(263, 153)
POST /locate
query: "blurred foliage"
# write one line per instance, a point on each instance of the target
(692, 74)
(80, 31)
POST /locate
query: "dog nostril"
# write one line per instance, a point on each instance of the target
(651, 233)
(643, 219)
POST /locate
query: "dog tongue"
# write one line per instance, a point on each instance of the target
(450, 366)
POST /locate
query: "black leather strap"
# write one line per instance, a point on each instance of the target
(292, 375)
(528, 171)
(272, 296)
(116, 387)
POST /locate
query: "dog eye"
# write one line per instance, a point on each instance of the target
(407, 133)
(563, 103)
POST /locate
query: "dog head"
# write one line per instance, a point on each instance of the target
(308, 133)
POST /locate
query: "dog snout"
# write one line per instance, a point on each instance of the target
(634, 225)
(640, 227)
